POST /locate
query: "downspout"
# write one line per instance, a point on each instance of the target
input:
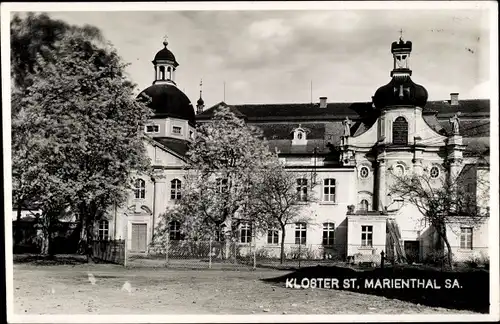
(154, 204)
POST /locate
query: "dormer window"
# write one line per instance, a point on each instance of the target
(152, 129)
(177, 130)
(299, 136)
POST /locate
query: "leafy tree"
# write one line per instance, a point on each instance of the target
(280, 202)
(81, 103)
(449, 201)
(34, 40)
(225, 164)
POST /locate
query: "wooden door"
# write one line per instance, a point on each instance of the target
(412, 251)
(139, 237)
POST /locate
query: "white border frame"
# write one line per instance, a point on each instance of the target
(6, 9)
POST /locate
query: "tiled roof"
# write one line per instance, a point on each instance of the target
(340, 110)
(302, 111)
(178, 146)
(468, 107)
(476, 146)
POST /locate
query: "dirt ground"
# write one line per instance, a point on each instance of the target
(66, 289)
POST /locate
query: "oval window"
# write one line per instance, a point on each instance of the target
(364, 172)
(434, 172)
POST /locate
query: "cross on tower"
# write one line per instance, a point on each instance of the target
(165, 40)
(401, 32)
(402, 90)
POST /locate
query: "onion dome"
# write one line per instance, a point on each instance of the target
(401, 90)
(200, 102)
(168, 101)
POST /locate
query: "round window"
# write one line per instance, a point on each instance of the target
(399, 170)
(434, 172)
(364, 172)
(299, 135)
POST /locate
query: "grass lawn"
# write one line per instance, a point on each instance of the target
(65, 289)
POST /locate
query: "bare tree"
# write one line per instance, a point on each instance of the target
(281, 199)
(456, 199)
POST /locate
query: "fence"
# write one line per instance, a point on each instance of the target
(218, 255)
(212, 254)
(112, 251)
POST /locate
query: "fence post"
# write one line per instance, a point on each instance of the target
(210, 253)
(125, 252)
(254, 254)
(300, 253)
(234, 249)
(166, 249)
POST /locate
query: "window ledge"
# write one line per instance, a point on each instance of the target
(365, 247)
(465, 250)
(328, 203)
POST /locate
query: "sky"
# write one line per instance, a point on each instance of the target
(273, 56)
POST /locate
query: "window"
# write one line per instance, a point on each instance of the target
(299, 135)
(328, 234)
(174, 231)
(221, 185)
(177, 130)
(162, 73)
(140, 189)
(191, 135)
(466, 238)
(103, 232)
(169, 71)
(302, 189)
(400, 131)
(363, 205)
(329, 190)
(272, 236)
(300, 233)
(364, 172)
(366, 235)
(245, 233)
(175, 189)
(152, 129)
(434, 172)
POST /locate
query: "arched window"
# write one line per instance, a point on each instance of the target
(140, 189)
(174, 231)
(103, 231)
(162, 73)
(175, 189)
(363, 205)
(169, 72)
(400, 131)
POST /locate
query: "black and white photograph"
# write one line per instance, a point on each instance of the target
(250, 161)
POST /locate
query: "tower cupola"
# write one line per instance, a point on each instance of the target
(165, 65)
(401, 90)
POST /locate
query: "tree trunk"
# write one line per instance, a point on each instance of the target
(90, 237)
(282, 249)
(449, 257)
(17, 237)
(45, 243)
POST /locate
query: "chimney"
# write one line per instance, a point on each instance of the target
(454, 98)
(322, 102)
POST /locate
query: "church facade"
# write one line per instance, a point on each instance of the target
(349, 151)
